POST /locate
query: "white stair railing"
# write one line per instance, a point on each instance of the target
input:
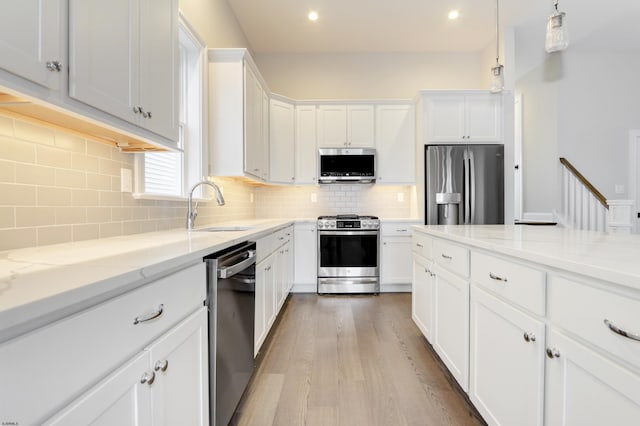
(583, 206)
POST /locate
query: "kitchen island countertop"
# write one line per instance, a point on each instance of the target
(610, 257)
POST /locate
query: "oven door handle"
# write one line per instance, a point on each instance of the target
(347, 233)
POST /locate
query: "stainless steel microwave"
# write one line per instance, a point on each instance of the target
(347, 165)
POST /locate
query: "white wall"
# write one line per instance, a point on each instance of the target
(215, 22)
(368, 75)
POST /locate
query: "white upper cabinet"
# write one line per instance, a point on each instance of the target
(123, 58)
(281, 142)
(306, 152)
(32, 39)
(346, 126)
(395, 142)
(468, 118)
(238, 116)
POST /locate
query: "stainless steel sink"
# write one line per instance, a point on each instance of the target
(224, 229)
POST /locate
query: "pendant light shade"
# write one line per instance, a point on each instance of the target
(497, 72)
(557, 35)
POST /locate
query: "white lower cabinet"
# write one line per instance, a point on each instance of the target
(507, 349)
(422, 295)
(450, 336)
(586, 389)
(305, 256)
(273, 281)
(166, 384)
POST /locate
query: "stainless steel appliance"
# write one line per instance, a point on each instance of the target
(347, 165)
(464, 184)
(231, 279)
(348, 254)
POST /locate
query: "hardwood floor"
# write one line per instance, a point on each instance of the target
(350, 360)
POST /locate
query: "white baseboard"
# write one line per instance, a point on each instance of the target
(384, 288)
(538, 217)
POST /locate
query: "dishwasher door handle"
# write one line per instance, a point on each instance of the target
(231, 270)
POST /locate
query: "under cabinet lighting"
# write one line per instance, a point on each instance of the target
(313, 15)
(454, 14)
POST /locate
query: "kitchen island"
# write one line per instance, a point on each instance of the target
(534, 323)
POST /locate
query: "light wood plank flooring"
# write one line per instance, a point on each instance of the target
(350, 360)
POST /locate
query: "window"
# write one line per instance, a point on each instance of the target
(167, 175)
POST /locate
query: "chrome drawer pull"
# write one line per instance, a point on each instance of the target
(497, 278)
(419, 245)
(621, 332)
(446, 256)
(148, 317)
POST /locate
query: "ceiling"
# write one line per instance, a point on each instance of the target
(281, 26)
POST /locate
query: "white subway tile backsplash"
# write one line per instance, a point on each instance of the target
(99, 150)
(85, 232)
(34, 216)
(70, 142)
(6, 126)
(33, 133)
(34, 174)
(7, 217)
(18, 238)
(54, 234)
(17, 195)
(51, 196)
(71, 179)
(17, 151)
(7, 171)
(54, 157)
(70, 215)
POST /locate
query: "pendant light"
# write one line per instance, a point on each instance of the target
(557, 35)
(497, 72)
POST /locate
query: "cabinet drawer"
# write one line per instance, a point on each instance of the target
(421, 245)
(520, 284)
(396, 229)
(267, 245)
(582, 310)
(450, 256)
(66, 357)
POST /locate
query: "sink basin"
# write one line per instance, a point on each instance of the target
(224, 229)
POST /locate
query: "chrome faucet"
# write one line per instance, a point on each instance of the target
(192, 212)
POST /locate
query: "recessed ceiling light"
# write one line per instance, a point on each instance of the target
(313, 15)
(453, 14)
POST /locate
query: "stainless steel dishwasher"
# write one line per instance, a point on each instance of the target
(231, 280)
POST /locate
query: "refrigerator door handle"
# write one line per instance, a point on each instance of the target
(467, 211)
(472, 184)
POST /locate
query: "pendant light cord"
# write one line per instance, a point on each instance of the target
(498, 31)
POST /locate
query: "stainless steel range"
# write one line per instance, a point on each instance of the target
(348, 254)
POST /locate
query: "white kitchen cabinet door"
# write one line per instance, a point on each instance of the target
(123, 60)
(103, 55)
(253, 155)
(306, 255)
(451, 324)
(422, 295)
(586, 389)
(332, 126)
(265, 299)
(180, 393)
(483, 117)
(264, 141)
(306, 149)
(395, 142)
(31, 40)
(445, 118)
(158, 83)
(395, 260)
(361, 126)
(507, 354)
(120, 399)
(281, 142)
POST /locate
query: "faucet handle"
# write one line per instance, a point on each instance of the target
(194, 212)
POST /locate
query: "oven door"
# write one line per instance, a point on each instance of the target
(348, 253)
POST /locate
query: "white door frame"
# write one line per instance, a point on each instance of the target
(634, 149)
(517, 157)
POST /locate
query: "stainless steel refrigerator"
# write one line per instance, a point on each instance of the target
(464, 184)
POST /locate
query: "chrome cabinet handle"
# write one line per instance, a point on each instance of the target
(148, 317)
(529, 337)
(621, 332)
(161, 366)
(148, 378)
(419, 245)
(497, 278)
(146, 114)
(54, 66)
(137, 109)
(429, 272)
(446, 256)
(553, 353)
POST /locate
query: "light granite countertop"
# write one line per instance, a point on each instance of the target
(42, 284)
(610, 257)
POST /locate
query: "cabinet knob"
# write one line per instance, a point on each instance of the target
(146, 114)
(148, 378)
(161, 366)
(54, 66)
(137, 109)
(553, 353)
(529, 337)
